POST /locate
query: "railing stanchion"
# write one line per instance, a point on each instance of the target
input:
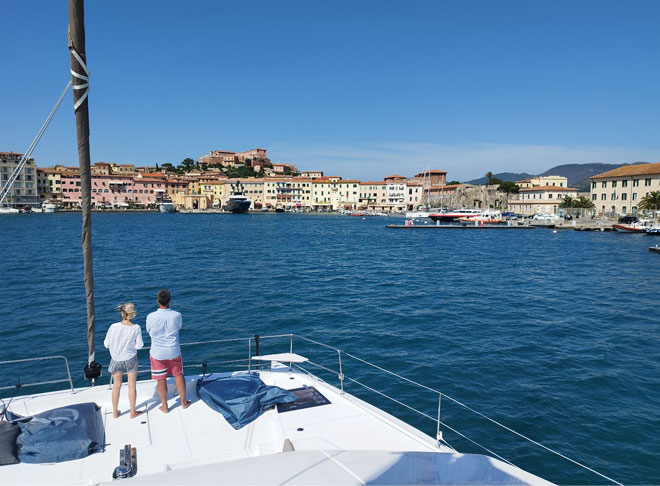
(290, 343)
(341, 373)
(249, 355)
(438, 434)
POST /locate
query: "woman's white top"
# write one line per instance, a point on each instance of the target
(123, 341)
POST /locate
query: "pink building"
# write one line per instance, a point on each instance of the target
(114, 190)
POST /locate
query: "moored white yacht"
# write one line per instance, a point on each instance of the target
(49, 207)
(449, 216)
(166, 206)
(491, 216)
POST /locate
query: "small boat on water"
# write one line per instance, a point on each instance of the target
(655, 249)
(638, 226)
(655, 231)
(166, 206)
(49, 207)
(8, 210)
(450, 216)
(487, 217)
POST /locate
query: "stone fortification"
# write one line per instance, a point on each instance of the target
(470, 196)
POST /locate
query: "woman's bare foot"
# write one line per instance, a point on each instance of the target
(164, 409)
(116, 413)
(185, 404)
(136, 413)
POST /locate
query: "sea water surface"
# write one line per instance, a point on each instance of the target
(555, 335)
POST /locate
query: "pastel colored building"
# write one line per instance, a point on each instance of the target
(540, 199)
(414, 194)
(551, 180)
(288, 193)
(114, 190)
(311, 174)
(24, 189)
(49, 184)
(372, 196)
(395, 194)
(618, 191)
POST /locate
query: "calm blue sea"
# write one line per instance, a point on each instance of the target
(556, 335)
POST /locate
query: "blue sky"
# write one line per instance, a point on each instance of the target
(358, 88)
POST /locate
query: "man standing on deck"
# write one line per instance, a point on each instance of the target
(163, 327)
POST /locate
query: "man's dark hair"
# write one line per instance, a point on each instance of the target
(164, 297)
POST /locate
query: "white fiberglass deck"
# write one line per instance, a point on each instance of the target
(198, 443)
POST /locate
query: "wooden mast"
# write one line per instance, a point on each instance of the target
(80, 79)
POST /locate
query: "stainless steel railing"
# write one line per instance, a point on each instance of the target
(50, 382)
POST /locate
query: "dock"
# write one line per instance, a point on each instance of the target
(459, 226)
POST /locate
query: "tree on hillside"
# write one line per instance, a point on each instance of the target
(489, 175)
(651, 201)
(509, 187)
(187, 164)
(452, 183)
(242, 171)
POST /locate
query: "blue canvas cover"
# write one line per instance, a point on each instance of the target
(240, 398)
(60, 434)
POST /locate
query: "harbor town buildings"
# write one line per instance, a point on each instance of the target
(281, 186)
(541, 195)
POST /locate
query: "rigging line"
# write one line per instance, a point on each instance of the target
(28, 152)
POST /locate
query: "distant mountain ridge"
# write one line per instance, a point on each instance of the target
(577, 174)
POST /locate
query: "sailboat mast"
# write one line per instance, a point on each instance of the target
(80, 79)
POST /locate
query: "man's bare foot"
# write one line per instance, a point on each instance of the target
(185, 404)
(136, 413)
(116, 413)
(164, 409)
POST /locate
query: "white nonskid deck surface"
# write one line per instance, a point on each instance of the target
(199, 435)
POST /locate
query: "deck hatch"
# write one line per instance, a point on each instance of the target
(307, 397)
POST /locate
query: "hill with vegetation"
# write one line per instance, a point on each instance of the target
(576, 174)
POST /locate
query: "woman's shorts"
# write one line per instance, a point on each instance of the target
(128, 366)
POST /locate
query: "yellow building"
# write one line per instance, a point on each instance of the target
(49, 184)
(540, 199)
(618, 191)
(288, 193)
(551, 180)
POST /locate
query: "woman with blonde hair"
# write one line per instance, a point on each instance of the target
(123, 340)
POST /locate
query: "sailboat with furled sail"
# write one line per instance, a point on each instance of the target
(272, 422)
